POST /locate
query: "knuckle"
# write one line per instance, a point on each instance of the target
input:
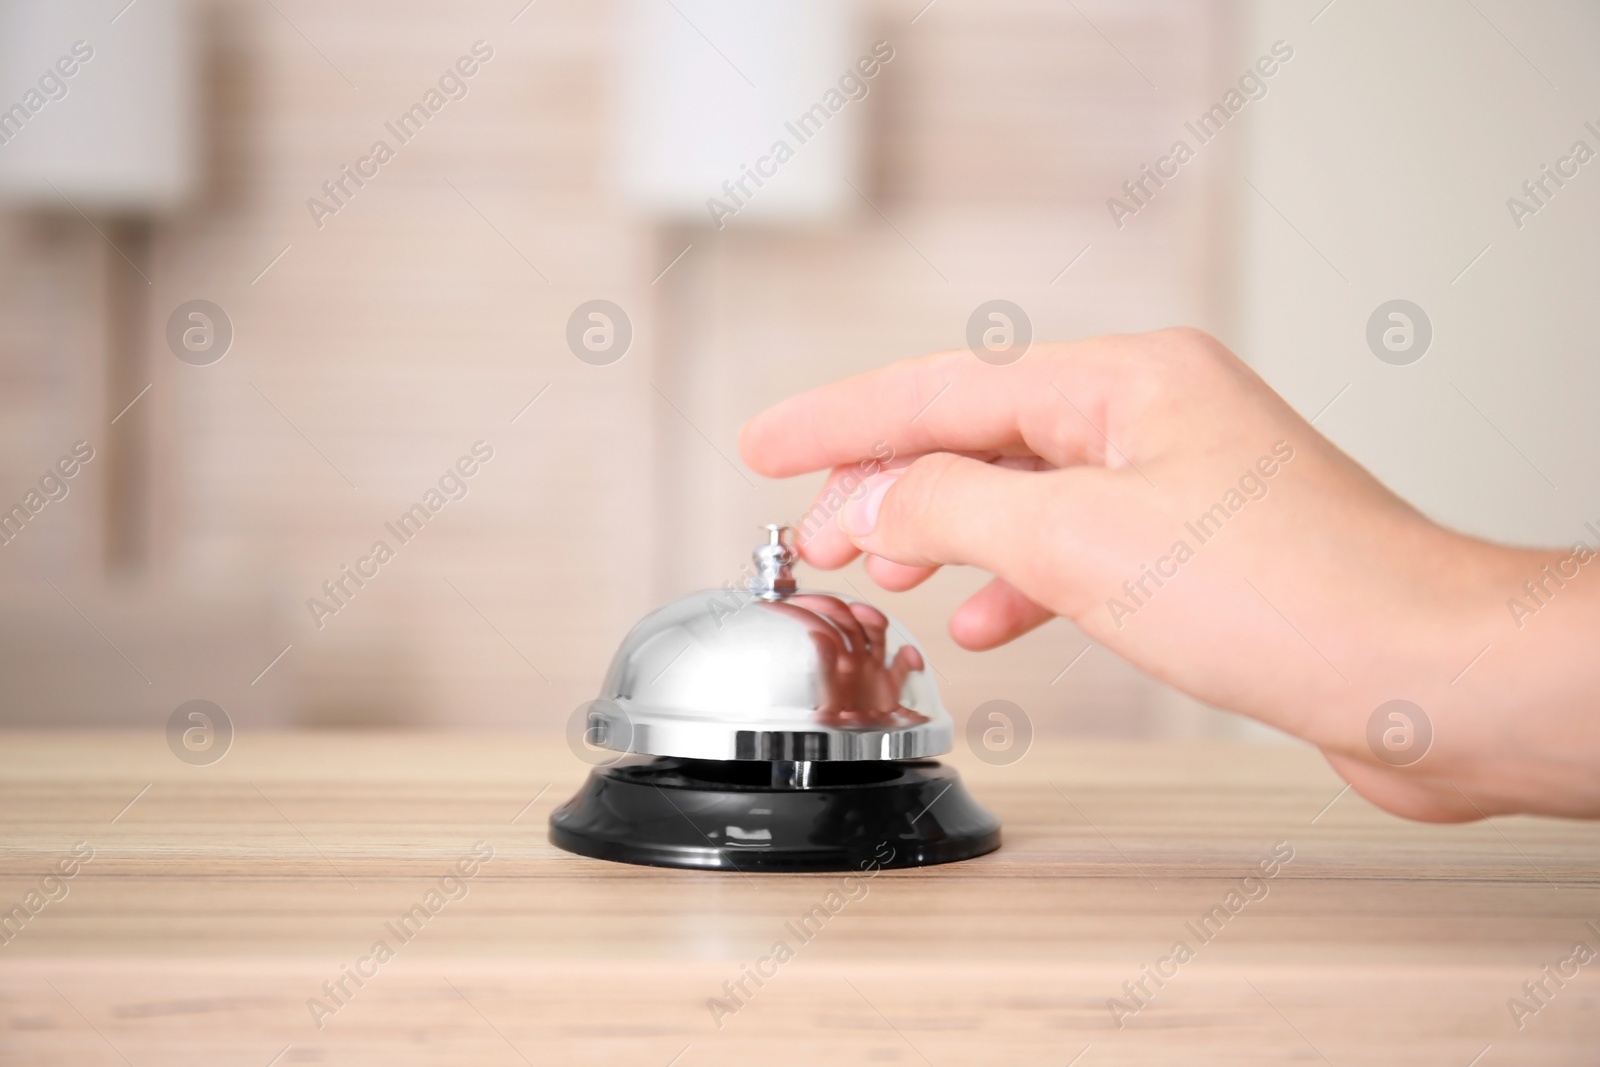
(1176, 364)
(1190, 338)
(1187, 348)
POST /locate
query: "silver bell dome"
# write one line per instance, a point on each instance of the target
(770, 673)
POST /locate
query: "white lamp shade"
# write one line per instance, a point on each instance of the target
(99, 111)
(707, 88)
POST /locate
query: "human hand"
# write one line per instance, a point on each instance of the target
(1155, 491)
(858, 688)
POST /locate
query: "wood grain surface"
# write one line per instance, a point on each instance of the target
(220, 899)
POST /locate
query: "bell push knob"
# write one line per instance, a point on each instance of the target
(774, 577)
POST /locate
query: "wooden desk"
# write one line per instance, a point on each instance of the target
(220, 901)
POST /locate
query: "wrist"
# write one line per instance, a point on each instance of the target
(1420, 620)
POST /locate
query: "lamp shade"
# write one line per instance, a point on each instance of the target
(736, 111)
(98, 104)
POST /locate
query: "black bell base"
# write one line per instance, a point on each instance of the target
(728, 816)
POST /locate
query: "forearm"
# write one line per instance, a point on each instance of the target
(1504, 667)
(1527, 708)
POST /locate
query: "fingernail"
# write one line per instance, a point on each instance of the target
(860, 516)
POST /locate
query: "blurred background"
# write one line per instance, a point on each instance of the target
(274, 338)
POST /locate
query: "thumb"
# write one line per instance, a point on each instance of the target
(950, 509)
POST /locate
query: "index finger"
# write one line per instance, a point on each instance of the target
(947, 402)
